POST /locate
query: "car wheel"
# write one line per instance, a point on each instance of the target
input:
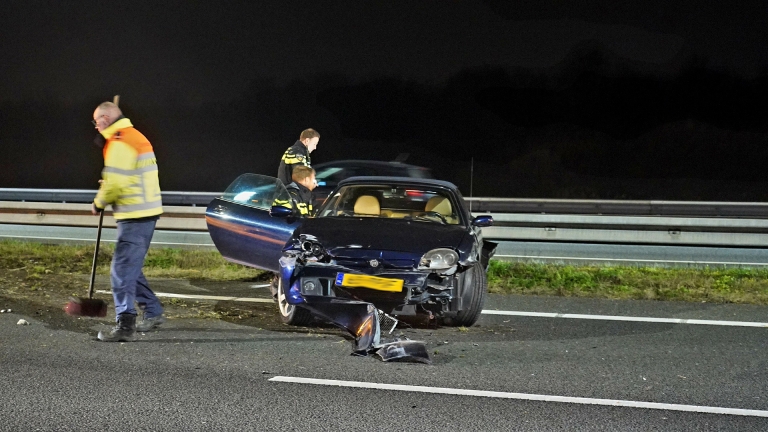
(273, 286)
(291, 314)
(475, 285)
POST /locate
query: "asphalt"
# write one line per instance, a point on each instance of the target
(205, 374)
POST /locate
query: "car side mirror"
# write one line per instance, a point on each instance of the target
(482, 221)
(280, 211)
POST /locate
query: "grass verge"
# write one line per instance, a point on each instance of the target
(731, 285)
(35, 258)
(616, 282)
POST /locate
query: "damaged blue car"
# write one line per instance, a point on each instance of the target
(400, 246)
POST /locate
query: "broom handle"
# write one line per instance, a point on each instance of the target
(115, 100)
(95, 255)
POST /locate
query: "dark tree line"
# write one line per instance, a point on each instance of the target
(592, 117)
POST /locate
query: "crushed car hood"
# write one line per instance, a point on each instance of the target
(382, 234)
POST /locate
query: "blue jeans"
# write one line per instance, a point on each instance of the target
(128, 282)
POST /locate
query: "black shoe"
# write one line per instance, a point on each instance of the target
(146, 324)
(124, 331)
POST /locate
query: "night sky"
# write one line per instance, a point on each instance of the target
(648, 100)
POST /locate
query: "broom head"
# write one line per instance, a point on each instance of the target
(86, 307)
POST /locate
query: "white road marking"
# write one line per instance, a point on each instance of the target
(500, 312)
(205, 297)
(530, 257)
(627, 318)
(524, 396)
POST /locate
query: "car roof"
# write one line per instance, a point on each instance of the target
(361, 162)
(402, 180)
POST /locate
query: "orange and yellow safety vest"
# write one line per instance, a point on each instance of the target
(130, 180)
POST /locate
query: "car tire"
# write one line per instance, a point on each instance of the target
(475, 286)
(273, 286)
(291, 314)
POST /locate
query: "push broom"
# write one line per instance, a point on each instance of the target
(90, 307)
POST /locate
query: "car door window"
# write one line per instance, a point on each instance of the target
(258, 191)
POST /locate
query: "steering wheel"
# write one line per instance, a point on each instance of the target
(433, 213)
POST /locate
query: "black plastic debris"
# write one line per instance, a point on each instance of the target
(403, 351)
(357, 317)
(363, 321)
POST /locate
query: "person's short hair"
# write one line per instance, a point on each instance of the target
(301, 173)
(309, 133)
(110, 109)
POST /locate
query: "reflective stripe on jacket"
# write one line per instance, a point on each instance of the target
(302, 198)
(297, 154)
(300, 201)
(130, 180)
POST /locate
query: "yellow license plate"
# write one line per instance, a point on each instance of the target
(371, 282)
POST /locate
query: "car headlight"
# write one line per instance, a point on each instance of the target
(438, 259)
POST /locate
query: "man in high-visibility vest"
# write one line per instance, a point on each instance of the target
(297, 155)
(130, 184)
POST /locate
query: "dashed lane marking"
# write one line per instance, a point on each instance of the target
(524, 396)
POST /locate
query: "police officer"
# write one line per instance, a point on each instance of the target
(297, 155)
(301, 190)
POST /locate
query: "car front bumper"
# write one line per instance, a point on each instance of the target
(316, 281)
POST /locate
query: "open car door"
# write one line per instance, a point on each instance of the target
(241, 227)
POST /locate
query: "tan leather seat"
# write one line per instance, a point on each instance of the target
(367, 205)
(440, 205)
(443, 206)
(393, 214)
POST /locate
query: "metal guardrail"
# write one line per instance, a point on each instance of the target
(658, 230)
(720, 224)
(478, 204)
(174, 198)
(621, 207)
(181, 218)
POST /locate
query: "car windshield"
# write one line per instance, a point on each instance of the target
(417, 203)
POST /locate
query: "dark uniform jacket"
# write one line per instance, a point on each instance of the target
(302, 198)
(295, 155)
